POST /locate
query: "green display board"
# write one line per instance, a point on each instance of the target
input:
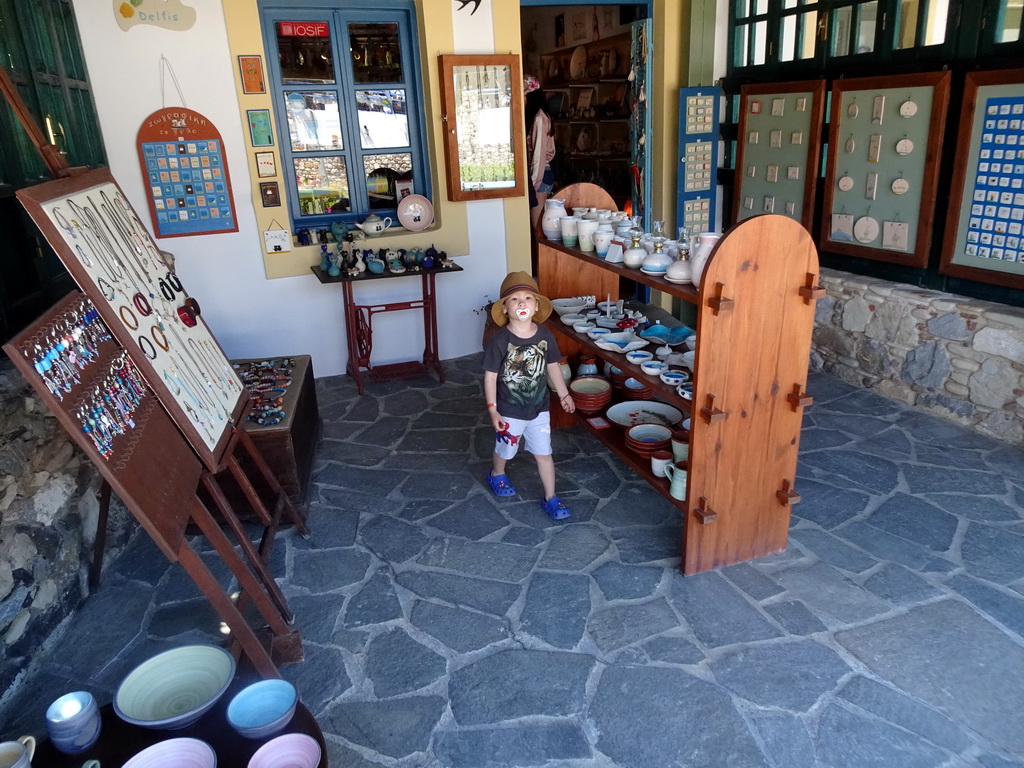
(779, 145)
(985, 239)
(883, 165)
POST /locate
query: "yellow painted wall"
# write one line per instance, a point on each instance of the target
(450, 230)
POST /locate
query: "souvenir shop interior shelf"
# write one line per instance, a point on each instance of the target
(107, 249)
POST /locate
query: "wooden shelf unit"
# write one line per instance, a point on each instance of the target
(755, 314)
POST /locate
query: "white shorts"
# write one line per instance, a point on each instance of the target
(536, 433)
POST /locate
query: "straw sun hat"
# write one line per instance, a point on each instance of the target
(520, 281)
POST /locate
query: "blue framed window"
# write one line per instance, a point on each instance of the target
(346, 84)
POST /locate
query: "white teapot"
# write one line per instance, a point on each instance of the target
(374, 225)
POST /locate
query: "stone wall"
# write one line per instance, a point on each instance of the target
(48, 513)
(959, 358)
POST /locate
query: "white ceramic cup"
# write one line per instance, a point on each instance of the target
(602, 241)
(677, 476)
(17, 754)
(680, 446)
(569, 233)
(586, 229)
(660, 460)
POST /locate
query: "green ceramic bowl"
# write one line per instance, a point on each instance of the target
(175, 688)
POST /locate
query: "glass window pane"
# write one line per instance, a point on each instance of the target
(935, 24)
(323, 185)
(383, 119)
(304, 50)
(789, 3)
(483, 115)
(313, 120)
(740, 45)
(906, 24)
(841, 31)
(742, 9)
(388, 178)
(759, 44)
(788, 43)
(867, 14)
(1008, 21)
(760, 6)
(376, 53)
(808, 34)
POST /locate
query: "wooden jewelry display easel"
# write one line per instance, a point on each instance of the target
(101, 398)
(106, 248)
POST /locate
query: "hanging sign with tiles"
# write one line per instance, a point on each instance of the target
(187, 181)
(698, 158)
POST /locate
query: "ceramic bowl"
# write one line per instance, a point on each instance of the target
(666, 335)
(175, 753)
(582, 326)
(653, 367)
(688, 358)
(603, 306)
(568, 306)
(649, 433)
(263, 708)
(639, 357)
(572, 319)
(592, 314)
(589, 385)
(609, 322)
(598, 333)
(685, 391)
(293, 750)
(631, 412)
(174, 688)
(620, 342)
(691, 342)
(673, 378)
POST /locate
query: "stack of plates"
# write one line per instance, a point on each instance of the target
(590, 393)
(637, 389)
(646, 439)
(632, 412)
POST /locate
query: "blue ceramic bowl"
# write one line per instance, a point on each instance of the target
(263, 708)
(666, 335)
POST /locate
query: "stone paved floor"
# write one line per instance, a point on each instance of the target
(445, 627)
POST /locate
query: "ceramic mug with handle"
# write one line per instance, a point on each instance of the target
(17, 754)
(677, 476)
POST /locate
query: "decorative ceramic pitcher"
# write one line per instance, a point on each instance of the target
(550, 224)
(700, 253)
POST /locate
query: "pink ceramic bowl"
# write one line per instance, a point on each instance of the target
(293, 750)
(175, 753)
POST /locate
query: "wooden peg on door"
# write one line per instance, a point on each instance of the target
(798, 398)
(810, 291)
(786, 495)
(710, 414)
(704, 513)
(719, 302)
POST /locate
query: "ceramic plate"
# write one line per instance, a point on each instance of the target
(415, 213)
(678, 282)
(578, 63)
(633, 412)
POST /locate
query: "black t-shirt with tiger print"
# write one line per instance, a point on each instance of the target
(521, 365)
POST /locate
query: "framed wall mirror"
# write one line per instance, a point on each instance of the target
(483, 126)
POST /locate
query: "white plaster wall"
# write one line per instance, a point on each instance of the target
(251, 315)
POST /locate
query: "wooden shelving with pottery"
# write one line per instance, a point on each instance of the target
(755, 314)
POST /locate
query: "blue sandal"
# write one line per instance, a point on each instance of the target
(500, 484)
(555, 509)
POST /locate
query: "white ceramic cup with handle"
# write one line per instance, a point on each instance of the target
(677, 476)
(17, 754)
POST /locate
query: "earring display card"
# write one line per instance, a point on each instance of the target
(873, 125)
(985, 233)
(698, 153)
(104, 245)
(792, 129)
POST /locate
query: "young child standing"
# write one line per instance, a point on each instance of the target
(517, 363)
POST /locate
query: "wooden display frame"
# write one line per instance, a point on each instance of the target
(795, 123)
(156, 474)
(451, 67)
(914, 208)
(956, 261)
(153, 343)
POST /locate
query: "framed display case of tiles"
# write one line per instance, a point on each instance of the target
(779, 146)
(698, 158)
(885, 140)
(984, 238)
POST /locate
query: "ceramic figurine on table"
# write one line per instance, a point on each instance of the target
(335, 268)
(395, 264)
(340, 232)
(325, 259)
(444, 261)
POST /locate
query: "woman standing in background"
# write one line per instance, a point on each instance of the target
(540, 147)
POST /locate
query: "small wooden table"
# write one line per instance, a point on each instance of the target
(359, 319)
(119, 740)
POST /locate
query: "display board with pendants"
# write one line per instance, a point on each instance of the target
(779, 144)
(985, 230)
(885, 141)
(104, 245)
